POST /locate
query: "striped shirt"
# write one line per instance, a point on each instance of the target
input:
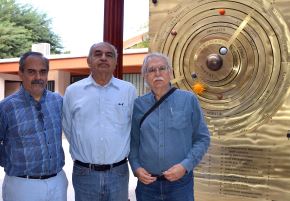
(31, 134)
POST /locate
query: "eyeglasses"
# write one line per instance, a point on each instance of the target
(160, 69)
(32, 72)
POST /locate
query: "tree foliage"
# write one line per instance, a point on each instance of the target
(21, 26)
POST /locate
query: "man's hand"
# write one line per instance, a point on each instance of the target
(175, 172)
(144, 176)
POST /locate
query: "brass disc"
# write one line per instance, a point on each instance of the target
(241, 57)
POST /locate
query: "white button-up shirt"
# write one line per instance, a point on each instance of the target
(97, 120)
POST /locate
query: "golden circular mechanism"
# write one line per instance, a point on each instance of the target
(240, 55)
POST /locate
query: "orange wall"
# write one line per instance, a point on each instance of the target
(78, 65)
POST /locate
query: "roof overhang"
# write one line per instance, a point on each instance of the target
(132, 62)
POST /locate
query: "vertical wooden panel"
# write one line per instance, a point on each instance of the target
(113, 29)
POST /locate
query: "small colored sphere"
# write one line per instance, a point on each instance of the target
(193, 76)
(223, 50)
(222, 11)
(174, 32)
(198, 88)
(220, 96)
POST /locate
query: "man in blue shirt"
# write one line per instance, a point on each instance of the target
(170, 142)
(97, 114)
(31, 137)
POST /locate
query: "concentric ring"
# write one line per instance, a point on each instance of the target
(244, 86)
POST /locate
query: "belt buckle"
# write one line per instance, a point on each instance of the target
(161, 177)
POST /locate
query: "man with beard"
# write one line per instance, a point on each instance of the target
(31, 137)
(169, 136)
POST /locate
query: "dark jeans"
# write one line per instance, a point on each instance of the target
(180, 190)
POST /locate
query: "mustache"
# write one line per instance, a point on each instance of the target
(158, 79)
(37, 82)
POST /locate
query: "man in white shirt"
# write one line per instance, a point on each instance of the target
(97, 115)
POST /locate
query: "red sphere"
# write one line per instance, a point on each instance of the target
(222, 11)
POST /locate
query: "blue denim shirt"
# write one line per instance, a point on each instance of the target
(173, 133)
(31, 134)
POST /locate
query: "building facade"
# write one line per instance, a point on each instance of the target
(66, 69)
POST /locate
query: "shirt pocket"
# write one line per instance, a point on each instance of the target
(55, 123)
(23, 129)
(118, 113)
(178, 120)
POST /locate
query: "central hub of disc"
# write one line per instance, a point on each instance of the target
(214, 62)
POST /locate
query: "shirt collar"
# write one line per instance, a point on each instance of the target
(28, 97)
(112, 83)
(152, 94)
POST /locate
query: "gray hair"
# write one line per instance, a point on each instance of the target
(31, 53)
(115, 52)
(150, 56)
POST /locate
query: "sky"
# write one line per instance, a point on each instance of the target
(80, 23)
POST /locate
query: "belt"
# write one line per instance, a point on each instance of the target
(38, 177)
(159, 177)
(97, 167)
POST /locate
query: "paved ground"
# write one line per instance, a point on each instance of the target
(68, 170)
